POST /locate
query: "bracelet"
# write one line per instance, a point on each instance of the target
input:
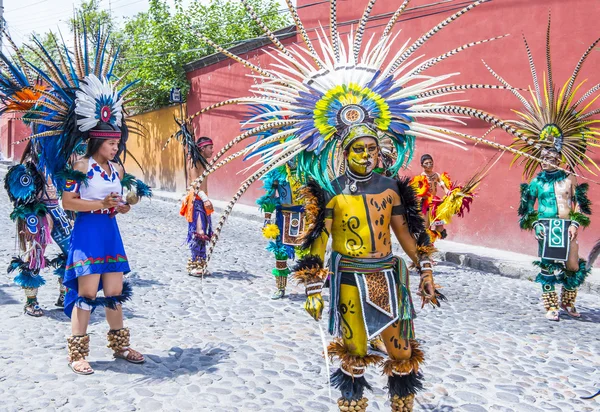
(314, 288)
(203, 196)
(574, 223)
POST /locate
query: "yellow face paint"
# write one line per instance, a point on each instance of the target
(362, 156)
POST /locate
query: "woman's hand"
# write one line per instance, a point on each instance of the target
(124, 208)
(111, 200)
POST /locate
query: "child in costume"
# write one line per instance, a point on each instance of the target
(197, 208)
(432, 181)
(284, 220)
(556, 129)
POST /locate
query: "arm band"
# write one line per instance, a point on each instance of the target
(203, 196)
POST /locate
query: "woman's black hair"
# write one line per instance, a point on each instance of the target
(93, 145)
(202, 139)
(426, 157)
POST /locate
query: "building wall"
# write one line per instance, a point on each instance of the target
(12, 130)
(493, 220)
(162, 169)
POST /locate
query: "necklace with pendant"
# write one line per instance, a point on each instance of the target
(354, 179)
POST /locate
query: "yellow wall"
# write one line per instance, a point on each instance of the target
(162, 169)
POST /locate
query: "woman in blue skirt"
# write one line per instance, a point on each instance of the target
(97, 258)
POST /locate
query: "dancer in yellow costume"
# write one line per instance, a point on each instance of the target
(369, 285)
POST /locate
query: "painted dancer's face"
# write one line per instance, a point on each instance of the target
(427, 166)
(362, 155)
(550, 162)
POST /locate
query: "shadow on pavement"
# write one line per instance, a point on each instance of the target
(178, 362)
(434, 407)
(230, 275)
(6, 299)
(588, 315)
(296, 297)
(136, 280)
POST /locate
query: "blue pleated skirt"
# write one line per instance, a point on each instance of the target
(96, 247)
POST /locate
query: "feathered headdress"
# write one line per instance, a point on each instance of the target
(553, 121)
(314, 97)
(79, 97)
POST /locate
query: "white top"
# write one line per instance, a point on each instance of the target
(99, 183)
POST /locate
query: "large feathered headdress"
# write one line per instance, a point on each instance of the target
(314, 96)
(555, 122)
(79, 96)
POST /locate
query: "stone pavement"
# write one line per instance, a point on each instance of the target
(223, 345)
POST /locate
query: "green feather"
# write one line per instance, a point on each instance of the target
(551, 177)
(580, 218)
(582, 199)
(573, 279)
(128, 181)
(527, 221)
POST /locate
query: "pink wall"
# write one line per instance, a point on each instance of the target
(12, 130)
(493, 220)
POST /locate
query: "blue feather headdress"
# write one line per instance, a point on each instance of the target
(79, 93)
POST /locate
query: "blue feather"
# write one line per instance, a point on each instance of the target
(109, 74)
(142, 189)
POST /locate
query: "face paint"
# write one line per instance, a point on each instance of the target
(428, 166)
(552, 159)
(362, 156)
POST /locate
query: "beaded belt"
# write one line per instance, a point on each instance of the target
(109, 211)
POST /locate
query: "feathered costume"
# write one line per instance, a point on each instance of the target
(193, 207)
(457, 202)
(79, 99)
(284, 220)
(559, 129)
(38, 216)
(317, 103)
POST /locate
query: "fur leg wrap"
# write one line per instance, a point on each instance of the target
(348, 405)
(568, 297)
(404, 378)
(403, 404)
(78, 347)
(550, 300)
(349, 378)
(118, 339)
(111, 302)
(573, 279)
(351, 387)
(403, 367)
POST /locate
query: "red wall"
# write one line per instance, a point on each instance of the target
(493, 220)
(12, 130)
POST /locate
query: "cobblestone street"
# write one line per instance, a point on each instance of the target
(224, 345)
